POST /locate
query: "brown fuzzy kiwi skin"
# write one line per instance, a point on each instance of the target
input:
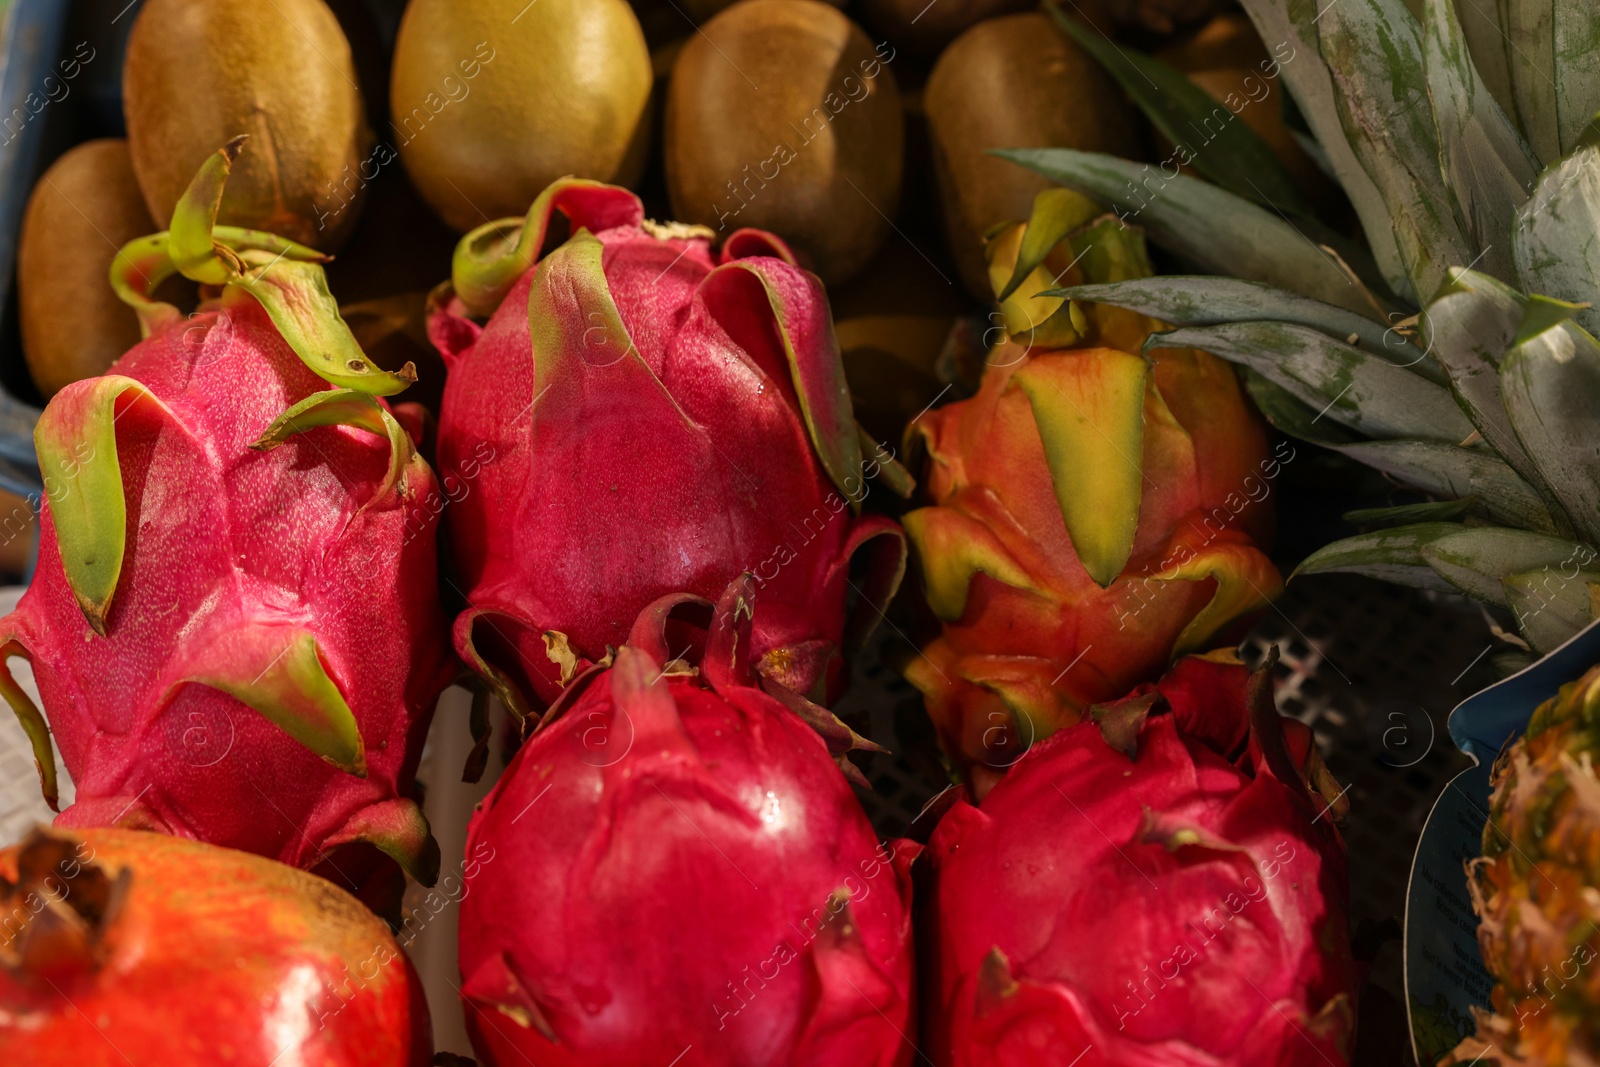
(492, 100)
(783, 115)
(1013, 82)
(200, 73)
(82, 211)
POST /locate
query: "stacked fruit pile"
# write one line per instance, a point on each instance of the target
(654, 484)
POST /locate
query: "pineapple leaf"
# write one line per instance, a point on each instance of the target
(1487, 167)
(1389, 555)
(1541, 313)
(1556, 240)
(1438, 469)
(1214, 228)
(1409, 514)
(1284, 411)
(1477, 560)
(1452, 471)
(1550, 607)
(1294, 25)
(1374, 49)
(1550, 382)
(1486, 43)
(1553, 50)
(1468, 328)
(1360, 390)
(1207, 132)
(1199, 300)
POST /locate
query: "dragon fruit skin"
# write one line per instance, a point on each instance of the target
(1183, 906)
(1096, 509)
(675, 861)
(264, 669)
(676, 413)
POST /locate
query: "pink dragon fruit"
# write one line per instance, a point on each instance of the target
(672, 862)
(234, 622)
(1149, 889)
(643, 415)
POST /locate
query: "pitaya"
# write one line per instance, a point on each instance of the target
(122, 948)
(234, 622)
(643, 415)
(1096, 510)
(674, 862)
(1159, 887)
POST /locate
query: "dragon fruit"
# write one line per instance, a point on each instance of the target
(1096, 511)
(121, 948)
(1159, 886)
(673, 862)
(643, 415)
(234, 623)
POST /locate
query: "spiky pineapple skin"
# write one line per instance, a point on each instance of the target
(1535, 889)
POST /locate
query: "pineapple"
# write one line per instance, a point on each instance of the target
(1534, 890)
(1456, 350)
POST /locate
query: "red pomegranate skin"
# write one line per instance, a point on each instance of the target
(205, 956)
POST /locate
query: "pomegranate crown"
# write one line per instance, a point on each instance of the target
(63, 905)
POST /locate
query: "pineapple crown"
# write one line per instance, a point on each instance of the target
(1456, 349)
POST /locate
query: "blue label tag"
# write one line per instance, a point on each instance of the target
(1445, 976)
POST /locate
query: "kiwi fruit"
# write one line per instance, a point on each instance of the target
(492, 100)
(783, 115)
(1013, 82)
(81, 213)
(923, 28)
(200, 73)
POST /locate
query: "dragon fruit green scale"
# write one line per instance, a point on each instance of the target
(641, 415)
(234, 622)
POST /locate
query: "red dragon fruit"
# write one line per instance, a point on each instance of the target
(234, 622)
(122, 948)
(1153, 888)
(676, 864)
(645, 415)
